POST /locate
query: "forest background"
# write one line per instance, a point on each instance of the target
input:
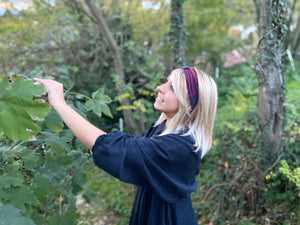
(111, 55)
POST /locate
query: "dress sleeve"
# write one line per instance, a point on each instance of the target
(167, 164)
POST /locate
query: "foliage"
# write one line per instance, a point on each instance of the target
(208, 25)
(79, 53)
(29, 47)
(39, 179)
(292, 104)
(229, 166)
(283, 190)
(232, 185)
(149, 25)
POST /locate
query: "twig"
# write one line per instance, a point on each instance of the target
(70, 88)
(249, 158)
(211, 189)
(17, 143)
(264, 173)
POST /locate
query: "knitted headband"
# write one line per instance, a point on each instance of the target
(192, 85)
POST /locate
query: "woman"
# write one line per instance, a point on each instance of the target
(163, 161)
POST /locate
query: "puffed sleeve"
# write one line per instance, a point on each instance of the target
(168, 164)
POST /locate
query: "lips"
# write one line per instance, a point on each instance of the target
(158, 98)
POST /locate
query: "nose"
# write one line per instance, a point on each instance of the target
(161, 88)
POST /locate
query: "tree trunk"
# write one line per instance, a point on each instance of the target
(177, 33)
(272, 31)
(118, 62)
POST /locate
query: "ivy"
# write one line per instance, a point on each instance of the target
(177, 35)
(275, 31)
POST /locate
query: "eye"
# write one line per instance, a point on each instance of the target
(171, 87)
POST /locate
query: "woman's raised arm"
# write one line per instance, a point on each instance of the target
(86, 132)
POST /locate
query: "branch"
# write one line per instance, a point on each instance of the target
(212, 188)
(264, 173)
(86, 12)
(102, 26)
(112, 45)
(250, 159)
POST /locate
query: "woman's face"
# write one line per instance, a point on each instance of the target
(166, 100)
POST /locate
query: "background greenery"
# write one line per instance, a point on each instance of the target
(43, 167)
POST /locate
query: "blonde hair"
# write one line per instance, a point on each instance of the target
(199, 122)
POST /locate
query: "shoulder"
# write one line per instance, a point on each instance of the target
(169, 149)
(173, 140)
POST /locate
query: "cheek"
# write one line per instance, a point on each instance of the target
(175, 103)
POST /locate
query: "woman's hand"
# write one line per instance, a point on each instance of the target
(55, 92)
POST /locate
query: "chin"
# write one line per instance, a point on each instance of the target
(156, 107)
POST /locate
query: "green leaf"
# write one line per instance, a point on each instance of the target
(42, 187)
(57, 144)
(79, 180)
(10, 215)
(11, 179)
(19, 109)
(65, 218)
(54, 122)
(98, 103)
(19, 196)
(30, 159)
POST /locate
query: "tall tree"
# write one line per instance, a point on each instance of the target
(117, 58)
(273, 18)
(177, 33)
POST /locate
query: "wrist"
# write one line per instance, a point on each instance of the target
(60, 106)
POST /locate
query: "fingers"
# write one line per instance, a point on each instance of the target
(37, 81)
(46, 82)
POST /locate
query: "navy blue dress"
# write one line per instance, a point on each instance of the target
(163, 167)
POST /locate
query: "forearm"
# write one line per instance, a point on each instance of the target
(86, 132)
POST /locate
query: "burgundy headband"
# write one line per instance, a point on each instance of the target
(192, 85)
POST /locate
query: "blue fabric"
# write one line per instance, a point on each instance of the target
(163, 168)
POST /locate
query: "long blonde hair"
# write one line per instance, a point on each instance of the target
(198, 122)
